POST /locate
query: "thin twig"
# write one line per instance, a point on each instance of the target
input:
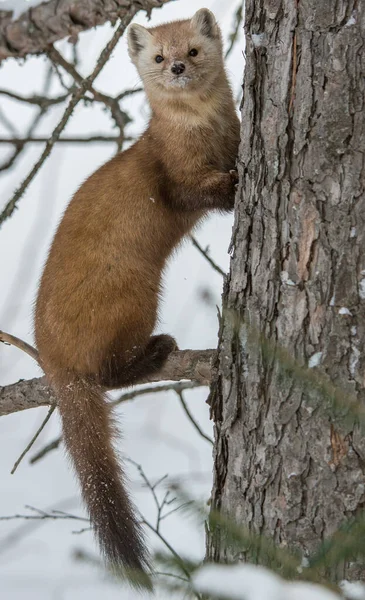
(11, 160)
(174, 510)
(206, 256)
(28, 527)
(191, 418)
(7, 123)
(166, 501)
(48, 448)
(75, 98)
(129, 93)
(238, 18)
(178, 558)
(80, 531)
(65, 140)
(28, 447)
(171, 575)
(42, 101)
(151, 487)
(42, 515)
(177, 387)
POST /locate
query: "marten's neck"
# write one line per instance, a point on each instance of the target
(192, 109)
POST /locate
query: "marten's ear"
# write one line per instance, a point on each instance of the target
(137, 39)
(204, 21)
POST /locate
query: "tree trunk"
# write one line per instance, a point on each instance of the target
(283, 468)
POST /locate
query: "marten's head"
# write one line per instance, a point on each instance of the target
(178, 57)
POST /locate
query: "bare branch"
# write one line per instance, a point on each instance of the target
(25, 394)
(177, 387)
(160, 506)
(119, 116)
(194, 365)
(129, 93)
(74, 100)
(40, 26)
(42, 515)
(42, 111)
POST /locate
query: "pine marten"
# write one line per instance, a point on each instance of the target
(98, 297)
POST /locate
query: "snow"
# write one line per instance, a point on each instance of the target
(353, 590)
(345, 311)
(354, 359)
(353, 232)
(258, 39)
(315, 360)
(362, 289)
(250, 582)
(352, 19)
(307, 591)
(284, 276)
(238, 582)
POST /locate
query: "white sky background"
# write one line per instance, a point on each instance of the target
(39, 565)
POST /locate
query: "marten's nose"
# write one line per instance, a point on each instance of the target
(178, 68)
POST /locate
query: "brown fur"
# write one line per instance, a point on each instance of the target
(98, 297)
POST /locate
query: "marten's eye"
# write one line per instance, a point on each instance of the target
(193, 52)
(159, 58)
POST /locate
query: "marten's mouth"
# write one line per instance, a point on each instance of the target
(180, 81)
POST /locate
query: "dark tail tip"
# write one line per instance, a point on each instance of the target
(120, 538)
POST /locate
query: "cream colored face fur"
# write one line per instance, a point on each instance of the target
(174, 42)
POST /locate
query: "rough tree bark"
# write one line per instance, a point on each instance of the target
(297, 277)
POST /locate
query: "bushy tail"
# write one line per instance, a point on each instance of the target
(88, 431)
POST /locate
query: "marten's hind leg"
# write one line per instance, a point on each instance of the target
(120, 370)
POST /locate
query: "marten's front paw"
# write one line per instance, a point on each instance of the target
(230, 187)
